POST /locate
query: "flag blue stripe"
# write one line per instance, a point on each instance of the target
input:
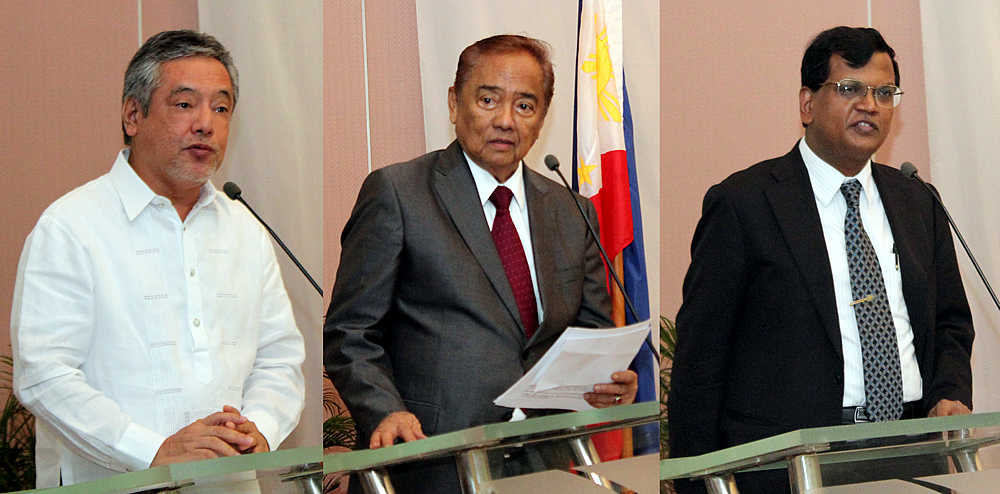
(646, 439)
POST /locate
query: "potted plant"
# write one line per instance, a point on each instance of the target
(17, 437)
(339, 433)
(668, 341)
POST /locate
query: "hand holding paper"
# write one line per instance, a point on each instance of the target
(578, 360)
(619, 392)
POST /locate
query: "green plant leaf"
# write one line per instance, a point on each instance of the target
(17, 436)
(339, 429)
(668, 342)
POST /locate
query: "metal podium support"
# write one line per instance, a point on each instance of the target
(806, 453)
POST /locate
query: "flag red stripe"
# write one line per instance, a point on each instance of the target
(613, 203)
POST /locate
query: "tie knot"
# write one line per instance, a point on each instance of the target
(851, 190)
(501, 197)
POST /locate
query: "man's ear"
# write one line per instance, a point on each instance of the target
(805, 105)
(452, 105)
(131, 115)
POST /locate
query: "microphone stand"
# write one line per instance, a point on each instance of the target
(233, 191)
(911, 172)
(553, 164)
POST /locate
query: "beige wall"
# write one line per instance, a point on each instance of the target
(394, 105)
(729, 76)
(345, 145)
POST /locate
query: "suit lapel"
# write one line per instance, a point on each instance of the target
(895, 203)
(541, 224)
(794, 206)
(901, 210)
(456, 189)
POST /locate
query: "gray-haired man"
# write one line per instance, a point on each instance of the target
(150, 324)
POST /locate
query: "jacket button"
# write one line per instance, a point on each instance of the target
(525, 354)
(838, 378)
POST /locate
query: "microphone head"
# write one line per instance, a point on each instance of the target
(909, 170)
(232, 190)
(551, 162)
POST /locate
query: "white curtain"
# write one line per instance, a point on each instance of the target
(275, 151)
(446, 27)
(962, 69)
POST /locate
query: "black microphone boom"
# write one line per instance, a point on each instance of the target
(910, 171)
(233, 191)
(553, 164)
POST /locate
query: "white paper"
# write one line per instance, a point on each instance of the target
(578, 360)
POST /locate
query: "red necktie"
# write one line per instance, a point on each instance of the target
(515, 263)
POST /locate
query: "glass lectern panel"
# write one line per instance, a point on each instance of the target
(494, 457)
(294, 471)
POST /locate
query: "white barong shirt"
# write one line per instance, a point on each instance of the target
(129, 324)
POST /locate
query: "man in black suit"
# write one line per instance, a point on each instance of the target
(769, 340)
(428, 323)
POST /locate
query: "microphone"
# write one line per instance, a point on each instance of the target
(233, 191)
(553, 164)
(910, 171)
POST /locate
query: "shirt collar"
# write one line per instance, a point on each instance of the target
(826, 180)
(136, 195)
(486, 183)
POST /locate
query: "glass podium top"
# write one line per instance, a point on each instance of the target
(277, 472)
(845, 444)
(540, 429)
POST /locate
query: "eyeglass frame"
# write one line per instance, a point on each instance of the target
(896, 96)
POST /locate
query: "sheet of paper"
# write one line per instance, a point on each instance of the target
(578, 360)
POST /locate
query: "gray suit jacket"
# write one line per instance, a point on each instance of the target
(422, 316)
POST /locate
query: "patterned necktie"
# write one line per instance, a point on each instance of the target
(879, 350)
(515, 263)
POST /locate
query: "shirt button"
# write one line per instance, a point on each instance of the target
(197, 323)
(192, 271)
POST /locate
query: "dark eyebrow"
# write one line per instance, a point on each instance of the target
(188, 89)
(181, 89)
(227, 94)
(486, 87)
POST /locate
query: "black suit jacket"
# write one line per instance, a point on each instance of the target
(759, 344)
(422, 316)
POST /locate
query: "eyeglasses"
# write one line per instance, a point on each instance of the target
(886, 96)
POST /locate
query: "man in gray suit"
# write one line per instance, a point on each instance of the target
(434, 315)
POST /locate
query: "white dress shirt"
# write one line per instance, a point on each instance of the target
(826, 181)
(129, 324)
(486, 184)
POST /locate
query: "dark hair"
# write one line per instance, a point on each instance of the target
(854, 44)
(502, 44)
(143, 74)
